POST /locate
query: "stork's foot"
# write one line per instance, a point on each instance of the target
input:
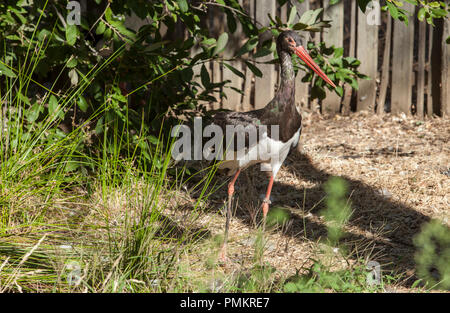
(265, 210)
(223, 258)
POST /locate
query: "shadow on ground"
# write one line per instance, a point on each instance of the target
(385, 226)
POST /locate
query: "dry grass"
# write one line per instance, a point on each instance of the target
(398, 174)
(397, 169)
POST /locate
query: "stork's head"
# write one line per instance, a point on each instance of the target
(288, 40)
(291, 42)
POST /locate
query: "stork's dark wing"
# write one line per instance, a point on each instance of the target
(241, 124)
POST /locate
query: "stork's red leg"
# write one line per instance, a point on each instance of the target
(266, 201)
(223, 253)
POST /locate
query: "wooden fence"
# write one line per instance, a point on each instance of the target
(409, 65)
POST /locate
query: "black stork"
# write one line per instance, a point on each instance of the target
(281, 111)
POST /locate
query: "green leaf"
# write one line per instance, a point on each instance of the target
(416, 283)
(300, 26)
(101, 27)
(393, 10)
(234, 70)
(73, 75)
(434, 4)
(156, 45)
(118, 24)
(439, 13)
(421, 14)
(352, 61)
(82, 103)
(231, 22)
(205, 77)
(339, 90)
(182, 4)
(6, 71)
(338, 52)
(99, 126)
(71, 166)
(263, 51)
(254, 69)
(318, 92)
(221, 43)
(354, 84)
(71, 34)
(209, 41)
(248, 46)
(292, 15)
(153, 140)
(72, 62)
(363, 4)
(33, 112)
(310, 17)
(54, 107)
(52, 104)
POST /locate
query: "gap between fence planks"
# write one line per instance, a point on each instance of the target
(445, 92)
(385, 70)
(421, 71)
(429, 73)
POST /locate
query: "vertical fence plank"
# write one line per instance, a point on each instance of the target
(421, 70)
(429, 73)
(333, 36)
(232, 101)
(316, 38)
(197, 68)
(282, 12)
(402, 62)
(264, 86)
(363, 44)
(301, 88)
(246, 97)
(385, 68)
(348, 91)
(217, 22)
(367, 53)
(445, 92)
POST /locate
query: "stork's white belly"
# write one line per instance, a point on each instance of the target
(268, 151)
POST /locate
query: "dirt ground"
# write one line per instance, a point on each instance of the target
(398, 172)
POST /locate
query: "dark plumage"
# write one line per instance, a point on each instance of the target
(280, 111)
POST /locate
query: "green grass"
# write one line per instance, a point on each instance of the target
(101, 219)
(107, 224)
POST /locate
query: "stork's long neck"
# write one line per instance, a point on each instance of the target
(287, 72)
(285, 96)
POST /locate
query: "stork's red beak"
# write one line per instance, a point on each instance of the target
(303, 54)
